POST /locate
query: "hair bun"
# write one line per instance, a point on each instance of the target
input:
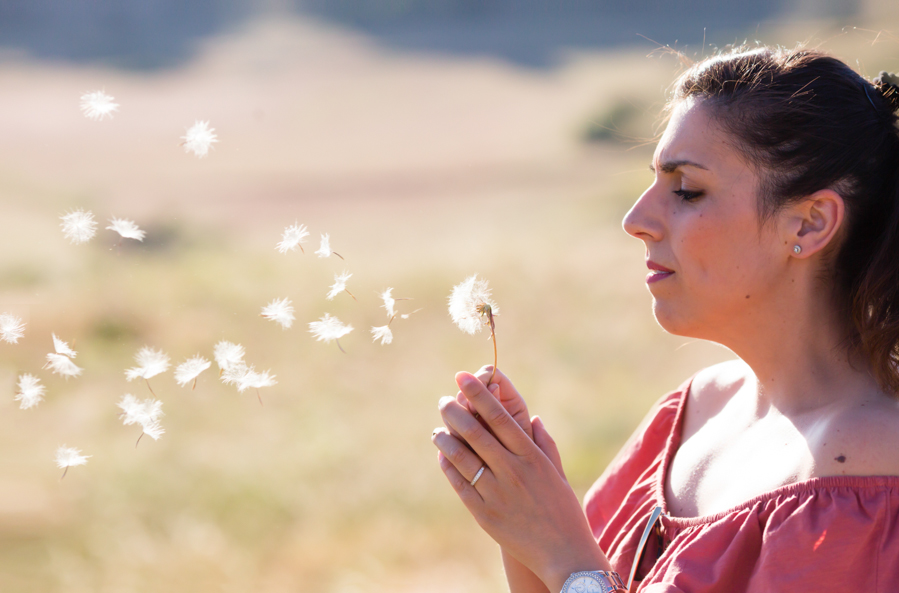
(887, 83)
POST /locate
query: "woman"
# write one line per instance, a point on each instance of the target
(772, 227)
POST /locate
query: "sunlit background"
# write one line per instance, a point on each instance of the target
(431, 140)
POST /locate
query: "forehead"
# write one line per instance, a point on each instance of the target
(693, 136)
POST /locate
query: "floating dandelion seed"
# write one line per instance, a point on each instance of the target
(280, 311)
(228, 354)
(62, 347)
(150, 363)
(11, 328)
(97, 105)
(389, 303)
(329, 328)
(190, 369)
(199, 138)
(62, 365)
(78, 226)
(126, 228)
(30, 392)
(67, 457)
(340, 286)
(245, 377)
(382, 333)
(146, 413)
(292, 238)
(471, 308)
(325, 249)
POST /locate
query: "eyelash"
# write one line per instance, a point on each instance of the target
(688, 196)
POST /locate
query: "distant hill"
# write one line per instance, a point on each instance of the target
(148, 34)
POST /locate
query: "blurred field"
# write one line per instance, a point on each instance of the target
(423, 169)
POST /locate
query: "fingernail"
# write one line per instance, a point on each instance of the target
(493, 387)
(445, 400)
(467, 381)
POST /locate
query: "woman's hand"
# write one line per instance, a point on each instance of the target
(503, 390)
(521, 500)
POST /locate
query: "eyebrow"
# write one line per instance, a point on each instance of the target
(672, 166)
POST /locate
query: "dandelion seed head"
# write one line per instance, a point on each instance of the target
(150, 363)
(339, 285)
(78, 226)
(62, 347)
(30, 392)
(280, 311)
(70, 456)
(329, 328)
(199, 138)
(293, 236)
(382, 333)
(126, 228)
(468, 304)
(62, 365)
(97, 105)
(389, 302)
(325, 249)
(190, 369)
(11, 328)
(228, 354)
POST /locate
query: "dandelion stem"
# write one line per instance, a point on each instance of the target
(64, 473)
(195, 384)
(351, 294)
(493, 337)
(150, 388)
(138, 439)
(338, 255)
(339, 346)
(259, 396)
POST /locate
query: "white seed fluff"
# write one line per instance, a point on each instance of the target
(126, 228)
(31, 392)
(280, 311)
(78, 226)
(228, 354)
(389, 302)
(466, 301)
(292, 238)
(339, 285)
(325, 249)
(97, 105)
(329, 328)
(146, 413)
(63, 348)
(382, 333)
(190, 369)
(11, 328)
(199, 138)
(69, 456)
(62, 365)
(150, 363)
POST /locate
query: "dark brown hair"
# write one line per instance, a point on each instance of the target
(807, 121)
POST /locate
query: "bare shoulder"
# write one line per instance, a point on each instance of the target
(710, 391)
(862, 441)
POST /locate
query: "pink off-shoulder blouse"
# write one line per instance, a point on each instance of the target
(828, 534)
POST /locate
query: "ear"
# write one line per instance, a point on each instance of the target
(814, 222)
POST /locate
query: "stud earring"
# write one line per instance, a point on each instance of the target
(797, 249)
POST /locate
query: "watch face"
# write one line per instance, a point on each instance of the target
(586, 584)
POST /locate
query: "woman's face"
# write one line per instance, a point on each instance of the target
(711, 264)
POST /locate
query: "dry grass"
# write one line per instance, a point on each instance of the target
(423, 170)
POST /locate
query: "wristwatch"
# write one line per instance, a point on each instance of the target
(594, 581)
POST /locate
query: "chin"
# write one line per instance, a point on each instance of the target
(672, 320)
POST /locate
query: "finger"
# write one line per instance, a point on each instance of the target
(479, 439)
(462, 458)
(547, 445)
(468, 493)
(503, 389)
(506, 429)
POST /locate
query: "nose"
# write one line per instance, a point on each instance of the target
(641, 221)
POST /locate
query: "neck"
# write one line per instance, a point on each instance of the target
(799, 354)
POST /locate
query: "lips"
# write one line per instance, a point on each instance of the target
(657, 272)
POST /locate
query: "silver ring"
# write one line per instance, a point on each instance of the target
(477, 476)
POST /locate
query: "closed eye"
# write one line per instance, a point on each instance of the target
(687, 195)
